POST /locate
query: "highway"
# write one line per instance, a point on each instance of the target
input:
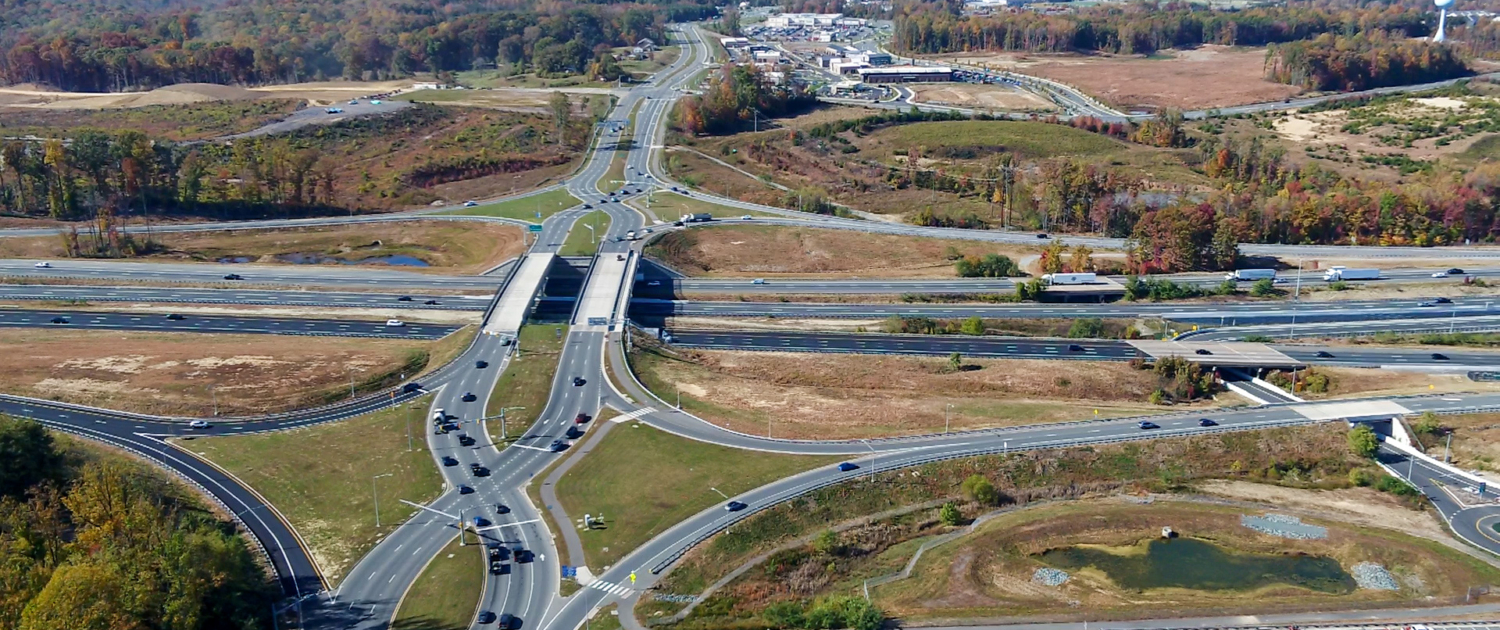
(259, 297)
(224, 324)
(213, 274)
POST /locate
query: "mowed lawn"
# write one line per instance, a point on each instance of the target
(671, 206)
(581, 240)
(527, 381)
(320, 478)
(644, 481)
(526, 208)
(447, 593)
(1030, 140)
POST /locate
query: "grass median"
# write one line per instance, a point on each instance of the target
(526, 208)
(642, 481)
(321, 478)
(581, 240)
(669, 206)
(445, 596)
(528, 381)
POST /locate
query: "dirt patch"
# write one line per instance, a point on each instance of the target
(1362, 383)
(1203, 78)
(32, 96)
(1363, 506)
(754, 251)
(171, 373)
(805, 396)
(424, 316)
(980, 96)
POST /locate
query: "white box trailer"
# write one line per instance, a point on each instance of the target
(1250, 275)
(1070, 278)
(1336, 274)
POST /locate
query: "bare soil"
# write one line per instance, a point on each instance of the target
(1203, 78)
(426, 316)
(171, 373)
(829, 396)
(1362, 506)
(1476, 442)
(756, 251)
(980, 96)
(319, 92)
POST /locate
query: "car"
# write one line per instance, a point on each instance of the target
(449, 461)
(848, 466)
(1324, 354)
(492, 551)
(404, 298)
(394, 323)
(582, 418)
(1456, 271)
(578, 381)
(746, 218)
(199, 424)
(573, 432)
(758, 281)
(587, 207)
(353, 101)
(1439, 274)
(469, 397)
(497, 568)
(470, 204)
(59, 320)
(653, 283)
(480, 471)
(1206, 422)
(465, 440)
(43, 265)
(558, 445)
(1426, 304)
(1202, 351)
(1073, 347)
(174, 316)
(1147, 424)
(233, 276)
(481, 364)
(1279, 280)
(1438, 356)
(734, 506)
(508, 622)
(465, 490)
(480, 521)
(1043, 235)
(411, 387)
(1442, 300)
(501, 508)
(505, 341)
(431, 302)
(486, 616)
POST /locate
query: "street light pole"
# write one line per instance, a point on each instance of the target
(215, 396)
(872, 460)
(376, 497)
(946, 410)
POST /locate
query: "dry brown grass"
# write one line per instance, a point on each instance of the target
(448, 247)
(756, 251)
(1476, 441)
(802, 395)
(170, 373)
(981, 96)
(1360, 382)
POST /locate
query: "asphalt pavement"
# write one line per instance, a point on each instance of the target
(223, 324)
(260, 297)
(369, 276)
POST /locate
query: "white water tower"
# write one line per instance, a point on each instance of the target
(1442, 6)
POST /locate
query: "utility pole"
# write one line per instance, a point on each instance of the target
(410, 409)
(376, 497)
(946, 412)
(215, 396)
(872, 459)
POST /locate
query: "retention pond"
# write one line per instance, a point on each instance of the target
(1200, 565)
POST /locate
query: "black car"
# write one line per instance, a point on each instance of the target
(59, 320)
(465, 440)
(1043, 235)
(1324, 354)
(233, 276)
(449, 461)
(587, 207)
(578, 381)
(1147, 424)
(411, 387)
(174, 316)
(1205, 422)
(1442, 301)
(734, 506)
(479, 471)
(496, 568)
(558, 445)
(431, 302)
(501, 508)
(1455, 272)
(486, 616)
(1202, 351)
(493, 550)
(508, 622)
(481, 364)
(1073, 347)
(846, 467)
(465, 490)
(469, 397)
(404, 298)
(573, 433)
(1438, 356)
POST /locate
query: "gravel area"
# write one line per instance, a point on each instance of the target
(1369, 575)
(1284, 526)
(1047, 576)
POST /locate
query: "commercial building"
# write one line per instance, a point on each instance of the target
(906, 74)
(786, 20)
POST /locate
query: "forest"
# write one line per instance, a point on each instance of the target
(94, 541)
(1139, 28)
(1360, 62)
(735, 97)
(97, 46)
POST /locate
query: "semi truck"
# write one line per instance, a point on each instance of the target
(1336, 274)
(696, 217)
(1250, 275)
(1070, 278)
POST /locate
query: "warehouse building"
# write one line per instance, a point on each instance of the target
(906, 74)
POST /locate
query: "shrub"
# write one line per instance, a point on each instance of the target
(979, 490)
(1395, 486)
(1362, 441)
(949, 515)
(1361, 477)
(1090, 328)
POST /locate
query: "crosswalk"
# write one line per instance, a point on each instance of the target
(633, 415)
(618, 590)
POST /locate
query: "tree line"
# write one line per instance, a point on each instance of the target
(264, 41)
(101, 544)
(1362, 61)
(1138, 28)
(737, 97)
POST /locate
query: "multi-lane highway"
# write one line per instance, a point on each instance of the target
(257, 297)
(215, 274)
(222, 324)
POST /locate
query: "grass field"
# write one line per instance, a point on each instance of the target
(320, 478)
(682, 474)
(528, 380)
(1029, 140)
(670, 206)
(581, 240)
(526, 209)
(446, 594)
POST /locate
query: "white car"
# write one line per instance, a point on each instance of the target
(758, 281)
(393, 323)
(470, 204)
(1439, 274)
(199, 424)
(746, 218)
(43, 265)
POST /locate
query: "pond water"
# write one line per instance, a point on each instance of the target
(236, 259)
(1195, 564)
(319, 259)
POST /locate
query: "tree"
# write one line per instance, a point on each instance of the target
(1087, 328)
(949, 514)
(1362, 441)
(1428, 423)
(979, 490)
(27, 456)
(1263, 287)
(562, 113)
(972, 326)
(955, 362)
